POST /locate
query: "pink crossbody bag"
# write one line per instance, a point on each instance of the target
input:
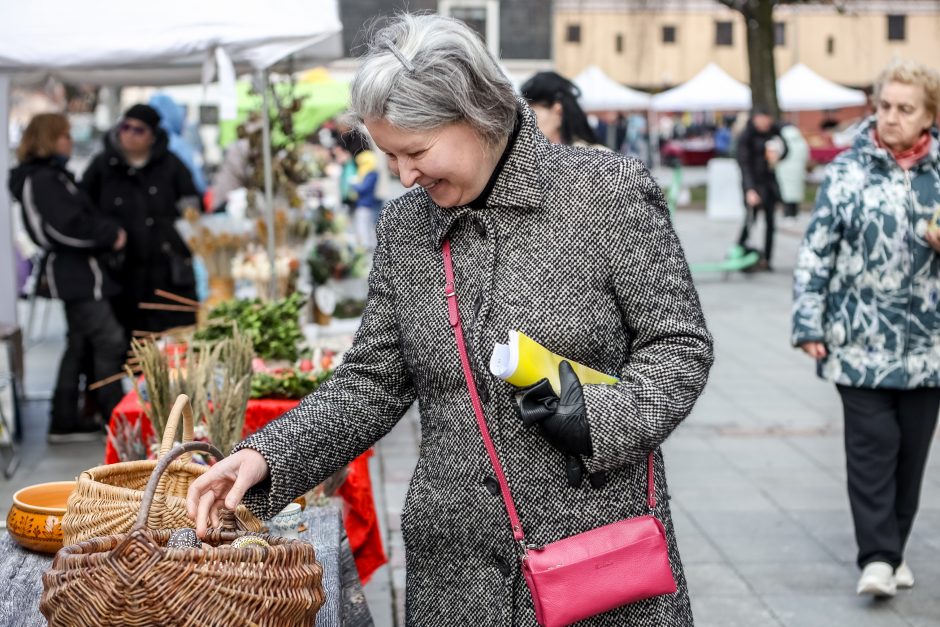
(589, 573)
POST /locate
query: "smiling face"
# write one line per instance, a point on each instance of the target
(902, 115)
(451, 162)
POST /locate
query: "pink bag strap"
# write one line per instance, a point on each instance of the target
(450, 292)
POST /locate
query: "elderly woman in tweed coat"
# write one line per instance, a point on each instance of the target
(571, 246)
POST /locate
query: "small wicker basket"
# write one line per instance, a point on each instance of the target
(134, 579)
(107, 498)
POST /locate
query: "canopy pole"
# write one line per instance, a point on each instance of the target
(7, 258)
(268, 179)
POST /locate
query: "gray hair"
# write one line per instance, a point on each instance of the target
(422, 72)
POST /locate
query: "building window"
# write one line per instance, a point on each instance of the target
(618, 43)
(724, 33)
(474, 17)
(830, 45)
(573, 34)
(780, 34)
(482, 16)
(897, 25)
(669, 34)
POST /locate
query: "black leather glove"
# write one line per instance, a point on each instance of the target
(561, 420)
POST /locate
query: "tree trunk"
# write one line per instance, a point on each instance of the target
(759, 18)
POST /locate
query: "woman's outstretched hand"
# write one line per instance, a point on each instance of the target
(223, 485)
(816, 350)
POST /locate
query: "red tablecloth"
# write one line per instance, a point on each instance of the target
(362, 525)
(825, 154)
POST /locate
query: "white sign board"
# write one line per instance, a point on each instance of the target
(725, 200)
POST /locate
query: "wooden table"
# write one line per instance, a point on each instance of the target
(21, 576)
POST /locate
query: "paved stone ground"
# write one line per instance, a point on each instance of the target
(756, 473)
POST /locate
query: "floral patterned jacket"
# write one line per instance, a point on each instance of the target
(866, 283)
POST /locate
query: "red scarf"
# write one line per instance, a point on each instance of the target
(907, 159)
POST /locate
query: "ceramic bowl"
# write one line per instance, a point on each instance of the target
(35, 520)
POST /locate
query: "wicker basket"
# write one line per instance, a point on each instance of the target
(107, 498)
(133, 579)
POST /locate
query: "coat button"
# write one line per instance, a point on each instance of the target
(480, 228)
(132, 171)
(118, 201)
(112, 161)
(502, 564)
(492, 485)
(153, 190)
(149, 221)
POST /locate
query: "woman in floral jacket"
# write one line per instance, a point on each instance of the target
(867, 285)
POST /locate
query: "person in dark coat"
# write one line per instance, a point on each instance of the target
(759, 147)
(573, 247)
(145, 187)
(75, 239)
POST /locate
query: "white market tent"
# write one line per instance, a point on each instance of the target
(599, 92)
(802, 89)
(115, 42)
(712, 89)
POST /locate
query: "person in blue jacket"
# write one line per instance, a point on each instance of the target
(173, 121)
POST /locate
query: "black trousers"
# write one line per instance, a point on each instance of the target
(887, 439)
(770, 196)
(92, 327)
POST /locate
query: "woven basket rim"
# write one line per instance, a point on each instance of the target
(98, 473)
(105, 544)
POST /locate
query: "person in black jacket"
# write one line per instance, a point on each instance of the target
(75, 238)
(145, 187)
(760, 146)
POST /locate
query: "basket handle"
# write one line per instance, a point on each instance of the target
(180, 407)
(165, 461)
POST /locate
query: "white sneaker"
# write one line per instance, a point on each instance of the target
(903, 576)
(877, 580)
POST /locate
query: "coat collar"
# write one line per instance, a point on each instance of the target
(865, 144)
(518, 186)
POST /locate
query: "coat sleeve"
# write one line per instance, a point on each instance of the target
(671, 350)
(360, 403)
(91, 180)
(778, 131)
(65, 223)
(745, 159)
(817, 257)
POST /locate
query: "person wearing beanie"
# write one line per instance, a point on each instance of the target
(137, 181)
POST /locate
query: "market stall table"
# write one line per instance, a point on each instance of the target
(345, 602)
(361, 521)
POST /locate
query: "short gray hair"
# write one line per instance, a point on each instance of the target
(422, 72)
(912, 72)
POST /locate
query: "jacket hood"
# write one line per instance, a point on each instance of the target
(172, 115)
(20, 173)
(112, 145)
(865, 143)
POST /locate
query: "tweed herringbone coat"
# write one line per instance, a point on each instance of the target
(574, 247)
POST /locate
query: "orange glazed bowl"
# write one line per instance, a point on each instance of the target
(35, 520)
